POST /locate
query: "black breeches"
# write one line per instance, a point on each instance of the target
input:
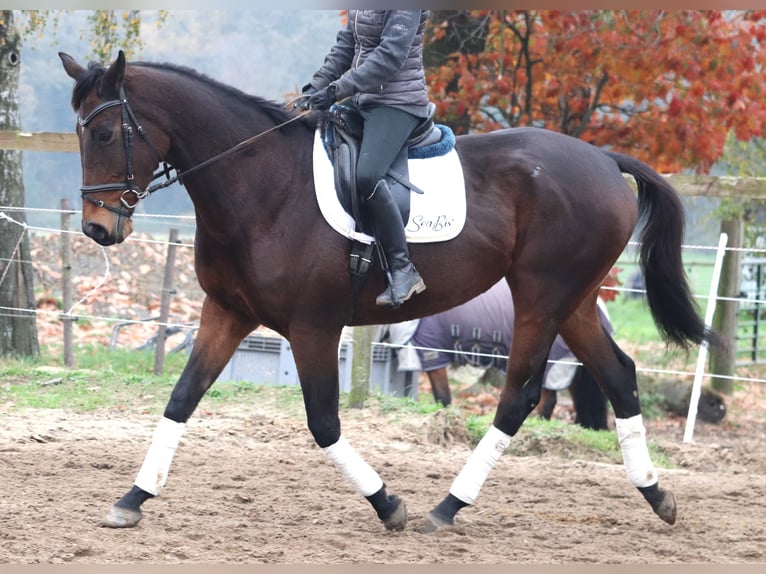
(385, 132)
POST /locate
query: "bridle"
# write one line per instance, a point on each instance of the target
(129, 186)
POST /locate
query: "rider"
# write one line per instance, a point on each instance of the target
(378, 59)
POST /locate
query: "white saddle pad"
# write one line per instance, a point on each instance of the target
(436, 215)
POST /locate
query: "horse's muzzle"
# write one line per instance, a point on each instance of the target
(101, 235)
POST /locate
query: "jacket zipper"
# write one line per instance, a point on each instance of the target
(357, 40)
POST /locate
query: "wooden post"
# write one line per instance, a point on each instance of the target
(723, 362)
(360, 371)
(66, 283)
(167, 291)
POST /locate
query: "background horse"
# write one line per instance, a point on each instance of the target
(479, 332)
(549, 213)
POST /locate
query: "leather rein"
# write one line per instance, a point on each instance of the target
(129, 186)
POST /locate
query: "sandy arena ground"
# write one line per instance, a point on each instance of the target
(252, 487)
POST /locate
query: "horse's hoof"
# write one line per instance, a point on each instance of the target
(431, 523)
(666, 507)
(119, 517)
(398, 520)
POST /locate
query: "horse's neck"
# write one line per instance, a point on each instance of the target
(254, 181)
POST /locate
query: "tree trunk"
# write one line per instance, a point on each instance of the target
(360, 378)
(724, 361)
(18, 331)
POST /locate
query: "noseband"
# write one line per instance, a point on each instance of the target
(128, 186)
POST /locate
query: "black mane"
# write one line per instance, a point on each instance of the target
(273, 109)
(96, 70)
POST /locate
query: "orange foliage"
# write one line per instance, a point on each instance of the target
(663, 86)
(611, 280)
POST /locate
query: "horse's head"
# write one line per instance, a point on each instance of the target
(117, 166)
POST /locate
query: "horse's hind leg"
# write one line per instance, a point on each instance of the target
(616, 374)
(439, 380)
(219, 334)
(316, 357)
(548, 400)
(532, 340)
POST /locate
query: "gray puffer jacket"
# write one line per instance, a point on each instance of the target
(378, 59)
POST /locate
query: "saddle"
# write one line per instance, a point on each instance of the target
(342, 134)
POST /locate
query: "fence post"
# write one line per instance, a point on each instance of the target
(702, 356)
(66, 283)
(167, 291)
(360, 371)
(723, 361)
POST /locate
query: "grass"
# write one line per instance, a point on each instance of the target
(102, 379)
(122, 380)
(540, 436)
(630, 315)
(632, 320)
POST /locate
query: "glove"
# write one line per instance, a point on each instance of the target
(302, 102)
(323, 99)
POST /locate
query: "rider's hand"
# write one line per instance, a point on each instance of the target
(323, 99)
(302, 102)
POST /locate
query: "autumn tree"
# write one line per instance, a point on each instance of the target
(666, 87)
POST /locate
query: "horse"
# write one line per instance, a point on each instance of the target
(479, 332)
(548, 213)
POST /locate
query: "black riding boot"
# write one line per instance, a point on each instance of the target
(389, 232)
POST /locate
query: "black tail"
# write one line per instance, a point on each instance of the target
(661, 216)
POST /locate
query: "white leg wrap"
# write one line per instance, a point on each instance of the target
(635, 454)
(468, 483)
(154, 471)
(360, 474)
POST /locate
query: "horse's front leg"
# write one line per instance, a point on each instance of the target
(219, 334)
(316, 357)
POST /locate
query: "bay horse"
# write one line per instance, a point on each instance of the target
(547, 212)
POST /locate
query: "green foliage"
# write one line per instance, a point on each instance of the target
(742, 159)
(108, 30)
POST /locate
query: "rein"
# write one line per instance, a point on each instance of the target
(129, 186)
(180, 175)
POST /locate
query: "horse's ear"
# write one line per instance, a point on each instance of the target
(115, 74)
(72, 68)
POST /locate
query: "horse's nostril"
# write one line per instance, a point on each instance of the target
(98, 233)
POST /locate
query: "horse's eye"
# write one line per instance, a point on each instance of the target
(104, 136)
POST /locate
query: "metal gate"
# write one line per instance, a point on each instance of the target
(751, 314)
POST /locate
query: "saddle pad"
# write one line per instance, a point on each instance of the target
(436, 215)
